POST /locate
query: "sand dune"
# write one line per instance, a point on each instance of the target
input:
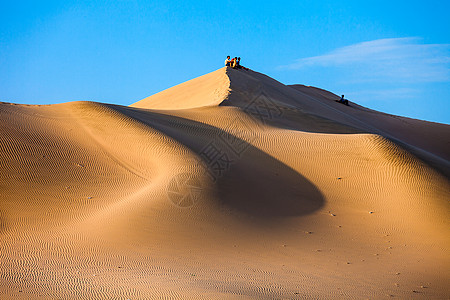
(231, 185)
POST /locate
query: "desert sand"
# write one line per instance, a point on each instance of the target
(228, 186)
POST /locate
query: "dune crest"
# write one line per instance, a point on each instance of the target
(207, 90)
(230, 185)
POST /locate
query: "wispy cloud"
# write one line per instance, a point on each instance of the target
(399, 59)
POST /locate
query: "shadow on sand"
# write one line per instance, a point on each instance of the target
(246, 179)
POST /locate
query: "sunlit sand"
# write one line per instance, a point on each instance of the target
(230, 185)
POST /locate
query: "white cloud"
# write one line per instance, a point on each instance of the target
(398, 59)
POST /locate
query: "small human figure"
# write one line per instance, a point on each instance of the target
(343, 100)
(228, 61)
(233, 62)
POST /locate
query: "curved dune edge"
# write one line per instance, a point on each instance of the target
(314, 199)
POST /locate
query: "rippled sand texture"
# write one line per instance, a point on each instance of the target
(231, 185)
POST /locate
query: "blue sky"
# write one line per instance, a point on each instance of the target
(392, 56)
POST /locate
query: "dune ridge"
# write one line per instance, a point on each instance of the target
(230, 185)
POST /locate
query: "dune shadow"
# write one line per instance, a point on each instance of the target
(262, 109)
(245, 178)
(272, 103)
(262, 186)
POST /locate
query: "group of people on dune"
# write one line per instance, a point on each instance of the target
(235, 63)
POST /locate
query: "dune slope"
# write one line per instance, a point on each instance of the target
(231, 185)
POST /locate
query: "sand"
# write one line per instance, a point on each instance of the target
(231, 185)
